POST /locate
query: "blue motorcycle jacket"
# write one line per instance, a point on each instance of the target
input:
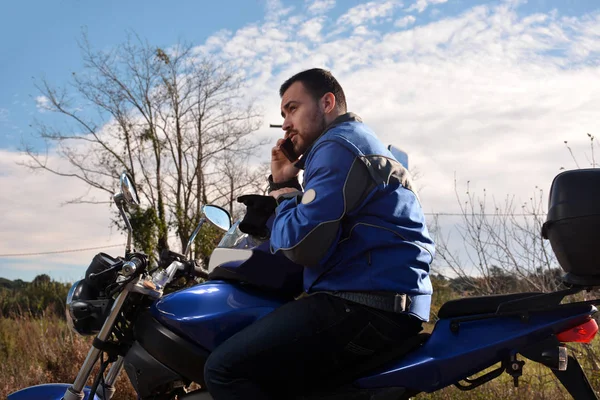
(358, 226)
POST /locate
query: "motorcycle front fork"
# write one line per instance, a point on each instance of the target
(75, 392)
(106, 389)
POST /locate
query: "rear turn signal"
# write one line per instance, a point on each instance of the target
(583, 333)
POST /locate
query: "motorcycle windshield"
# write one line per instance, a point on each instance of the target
(236, 239)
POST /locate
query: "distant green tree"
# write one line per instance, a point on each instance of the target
(18, 283)
(41, 280)
(41, 296)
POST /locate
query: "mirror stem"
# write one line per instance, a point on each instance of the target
(129, 230)
(188, 248)
(119, 201)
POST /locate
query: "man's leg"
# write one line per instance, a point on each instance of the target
(303, 341)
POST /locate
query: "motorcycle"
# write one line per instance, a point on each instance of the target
(163, 340)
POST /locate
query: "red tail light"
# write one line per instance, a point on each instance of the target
(583, 333)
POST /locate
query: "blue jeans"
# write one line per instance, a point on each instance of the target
(307, 344)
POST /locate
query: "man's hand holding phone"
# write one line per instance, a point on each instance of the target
(283, 158)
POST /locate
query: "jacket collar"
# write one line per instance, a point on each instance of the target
(348, 117)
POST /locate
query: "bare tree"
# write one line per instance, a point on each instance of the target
(502, 247)
(239, 178)
(170, 118)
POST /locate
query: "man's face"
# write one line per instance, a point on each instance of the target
(304, 119)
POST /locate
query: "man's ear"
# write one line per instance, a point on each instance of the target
(328, 102)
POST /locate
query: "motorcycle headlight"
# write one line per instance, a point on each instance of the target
(85, 313)
(68, 315)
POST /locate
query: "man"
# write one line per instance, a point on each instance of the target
(360, 233)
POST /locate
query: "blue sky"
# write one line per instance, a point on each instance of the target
(40, 38)
(485, 90)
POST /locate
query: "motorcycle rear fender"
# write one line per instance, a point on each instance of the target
(448, 357)
(48, 391)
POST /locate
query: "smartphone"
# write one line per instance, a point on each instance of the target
(287, 148)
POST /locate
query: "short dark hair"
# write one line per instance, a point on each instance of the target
(317, 82)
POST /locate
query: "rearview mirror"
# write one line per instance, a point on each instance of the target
(128, 190)
(217, 216)
(128, 195)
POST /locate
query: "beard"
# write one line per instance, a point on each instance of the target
(313, 131)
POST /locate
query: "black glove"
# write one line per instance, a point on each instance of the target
(258, 210)
(293, 183)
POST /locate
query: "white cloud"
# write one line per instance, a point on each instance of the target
(320, 6)
(361, 31)
(312, 29)
(368, 12)
(405, 21)
(421, 5)
(515, 3)
(275, 10)
(42, 103)
(216, 41)
(4, 113)
(34, 221)
(454, 92)
(488, 94)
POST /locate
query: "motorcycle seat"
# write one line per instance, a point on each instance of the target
(332, 384)
(479, 304)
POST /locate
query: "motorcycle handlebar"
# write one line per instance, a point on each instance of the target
(197, 270)
(130, 266)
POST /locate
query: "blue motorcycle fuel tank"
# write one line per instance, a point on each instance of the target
(248, 282)
(211, 312)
